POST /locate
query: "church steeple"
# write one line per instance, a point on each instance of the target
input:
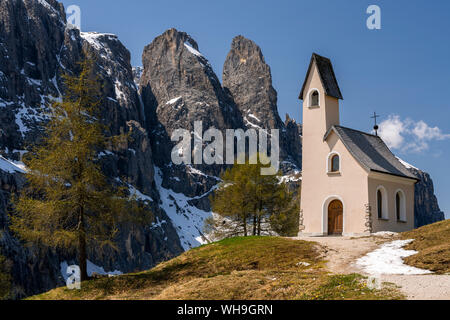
(320, 94)
(327, 77)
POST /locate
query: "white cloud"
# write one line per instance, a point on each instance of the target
(408, 135)
(391, 132)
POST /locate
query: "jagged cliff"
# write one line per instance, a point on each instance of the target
(248, 78)
(36, 48)
(175, 87)
(426, 207)
(178, 88)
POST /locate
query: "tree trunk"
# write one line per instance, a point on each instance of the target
(82, 254)
(259, 217)
(259, 226)
(254, 224)
(244, 221)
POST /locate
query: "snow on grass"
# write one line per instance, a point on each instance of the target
(11, 167)
(384, 233)
(91, 269)
(388, 259)
(406, 164)
(187, 219)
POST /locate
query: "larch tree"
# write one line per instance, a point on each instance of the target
(68, 202)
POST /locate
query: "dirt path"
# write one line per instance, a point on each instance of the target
(422, 287)
(342, 253)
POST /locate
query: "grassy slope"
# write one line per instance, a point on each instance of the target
(240, 268)
(433, 244)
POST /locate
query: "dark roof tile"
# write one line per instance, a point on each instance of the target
(371, 152)
(327, 77)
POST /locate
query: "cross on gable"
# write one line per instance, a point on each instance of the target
(376, 127)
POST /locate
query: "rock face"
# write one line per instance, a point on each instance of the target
(36, 48)
(249, 80)
(179, 87)
(137, 74)
(426, 206)
(293, 140)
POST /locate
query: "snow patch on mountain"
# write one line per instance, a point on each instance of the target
(11, 167)
(406, 164)
(173, 101)
(193, 51)
(139, 195)
(187, 219)
(93, 39)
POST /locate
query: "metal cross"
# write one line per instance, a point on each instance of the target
(376, 127)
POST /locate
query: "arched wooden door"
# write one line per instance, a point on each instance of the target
(335, 218)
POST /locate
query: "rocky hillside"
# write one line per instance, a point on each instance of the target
(175, 88)
(247, 268)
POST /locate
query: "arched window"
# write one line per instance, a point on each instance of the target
(382, 204)
(335, 163)
(400, 206)
(314, 99)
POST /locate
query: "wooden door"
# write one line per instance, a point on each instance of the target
(335, 218)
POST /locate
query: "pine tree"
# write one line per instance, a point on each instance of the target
(68, 202)
(247, 197)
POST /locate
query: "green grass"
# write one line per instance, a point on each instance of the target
(433, 244)
(252, 268)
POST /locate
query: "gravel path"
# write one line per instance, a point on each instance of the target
(422, 287)
(342, 253)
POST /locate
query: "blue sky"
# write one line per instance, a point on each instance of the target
(401, 71)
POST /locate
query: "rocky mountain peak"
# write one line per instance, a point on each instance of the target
(179, 87)
(249, 80)
(247, 77)
(179, 38)
(247, 50)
